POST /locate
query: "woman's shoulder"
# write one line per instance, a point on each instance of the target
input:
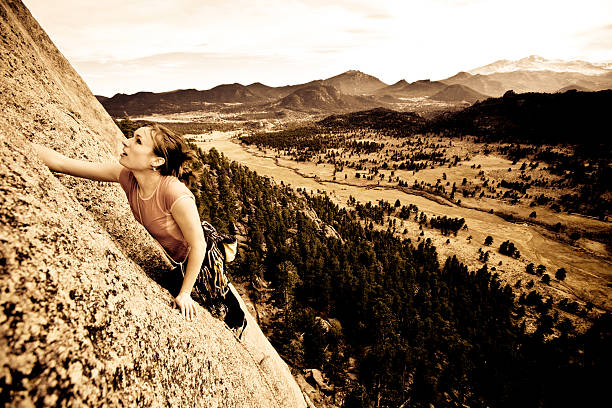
(171, 189)
(171, 183)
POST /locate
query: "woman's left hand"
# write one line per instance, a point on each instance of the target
(186, 305)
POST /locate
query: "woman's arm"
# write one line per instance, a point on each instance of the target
(186, 215)
(79, 168)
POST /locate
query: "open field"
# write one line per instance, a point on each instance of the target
(588, 263)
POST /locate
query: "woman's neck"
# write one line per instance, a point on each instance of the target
(148, 180)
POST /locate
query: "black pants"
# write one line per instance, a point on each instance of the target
(234, 315)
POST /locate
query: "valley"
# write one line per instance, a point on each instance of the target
(428, 206)
(587, 261)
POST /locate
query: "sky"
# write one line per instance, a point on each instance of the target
(159, 45)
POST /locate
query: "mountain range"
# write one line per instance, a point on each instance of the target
(537, 63)
(573, 117)
(354, 90)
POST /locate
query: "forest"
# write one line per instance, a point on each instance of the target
(538, 118)
(419, 332)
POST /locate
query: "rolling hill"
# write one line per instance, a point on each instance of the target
(458, 93)
(378, 118)
(182, 100)
(403, 89)
(323, 98)
(574, 87)
(231, 93)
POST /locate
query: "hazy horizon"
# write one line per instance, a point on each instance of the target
(159, 46)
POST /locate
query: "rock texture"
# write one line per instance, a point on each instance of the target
(82, 320)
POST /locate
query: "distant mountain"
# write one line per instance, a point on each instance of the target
(378, 118)
(183, 100)
(355, 83)
(415, 89)
(273, 93)
(549, 81)
(355, 90)
(391, 92)
(457, 78)
(265, 91)
(496, 84)
(574, 87)
(323, 98)
(537, 63)
(100, 98)
(394, 87)
(148, 102)
(350, 83)
(230, 93)
(458, 93)
(484, 84)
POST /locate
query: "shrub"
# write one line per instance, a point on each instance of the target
(508, 248)
(560, 274)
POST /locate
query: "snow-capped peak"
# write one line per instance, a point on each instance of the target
(537, 63)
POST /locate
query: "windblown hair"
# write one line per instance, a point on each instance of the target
(174, 149)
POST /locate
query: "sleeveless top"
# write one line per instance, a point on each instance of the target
(156, 212)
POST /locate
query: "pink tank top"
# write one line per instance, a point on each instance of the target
(156, 211)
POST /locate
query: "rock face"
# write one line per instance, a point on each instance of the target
(82, 320)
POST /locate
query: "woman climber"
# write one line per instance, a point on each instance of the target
(149, 169)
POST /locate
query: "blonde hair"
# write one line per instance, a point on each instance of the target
(174, 149)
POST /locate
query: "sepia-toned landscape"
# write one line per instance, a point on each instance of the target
(519, 198)
(418, 243)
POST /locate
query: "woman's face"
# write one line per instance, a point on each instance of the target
(138, 151)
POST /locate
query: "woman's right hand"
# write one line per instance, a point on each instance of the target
(79, 168)
(186, 305)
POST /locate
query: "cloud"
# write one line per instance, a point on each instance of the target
(459, 3)
(379, 16)
(605, 29)
(326, 50)
(202, 70)
(185, 58)
(360, 31)
(599, 38)
(359, 6)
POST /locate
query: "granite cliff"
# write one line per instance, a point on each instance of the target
(82, 320)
